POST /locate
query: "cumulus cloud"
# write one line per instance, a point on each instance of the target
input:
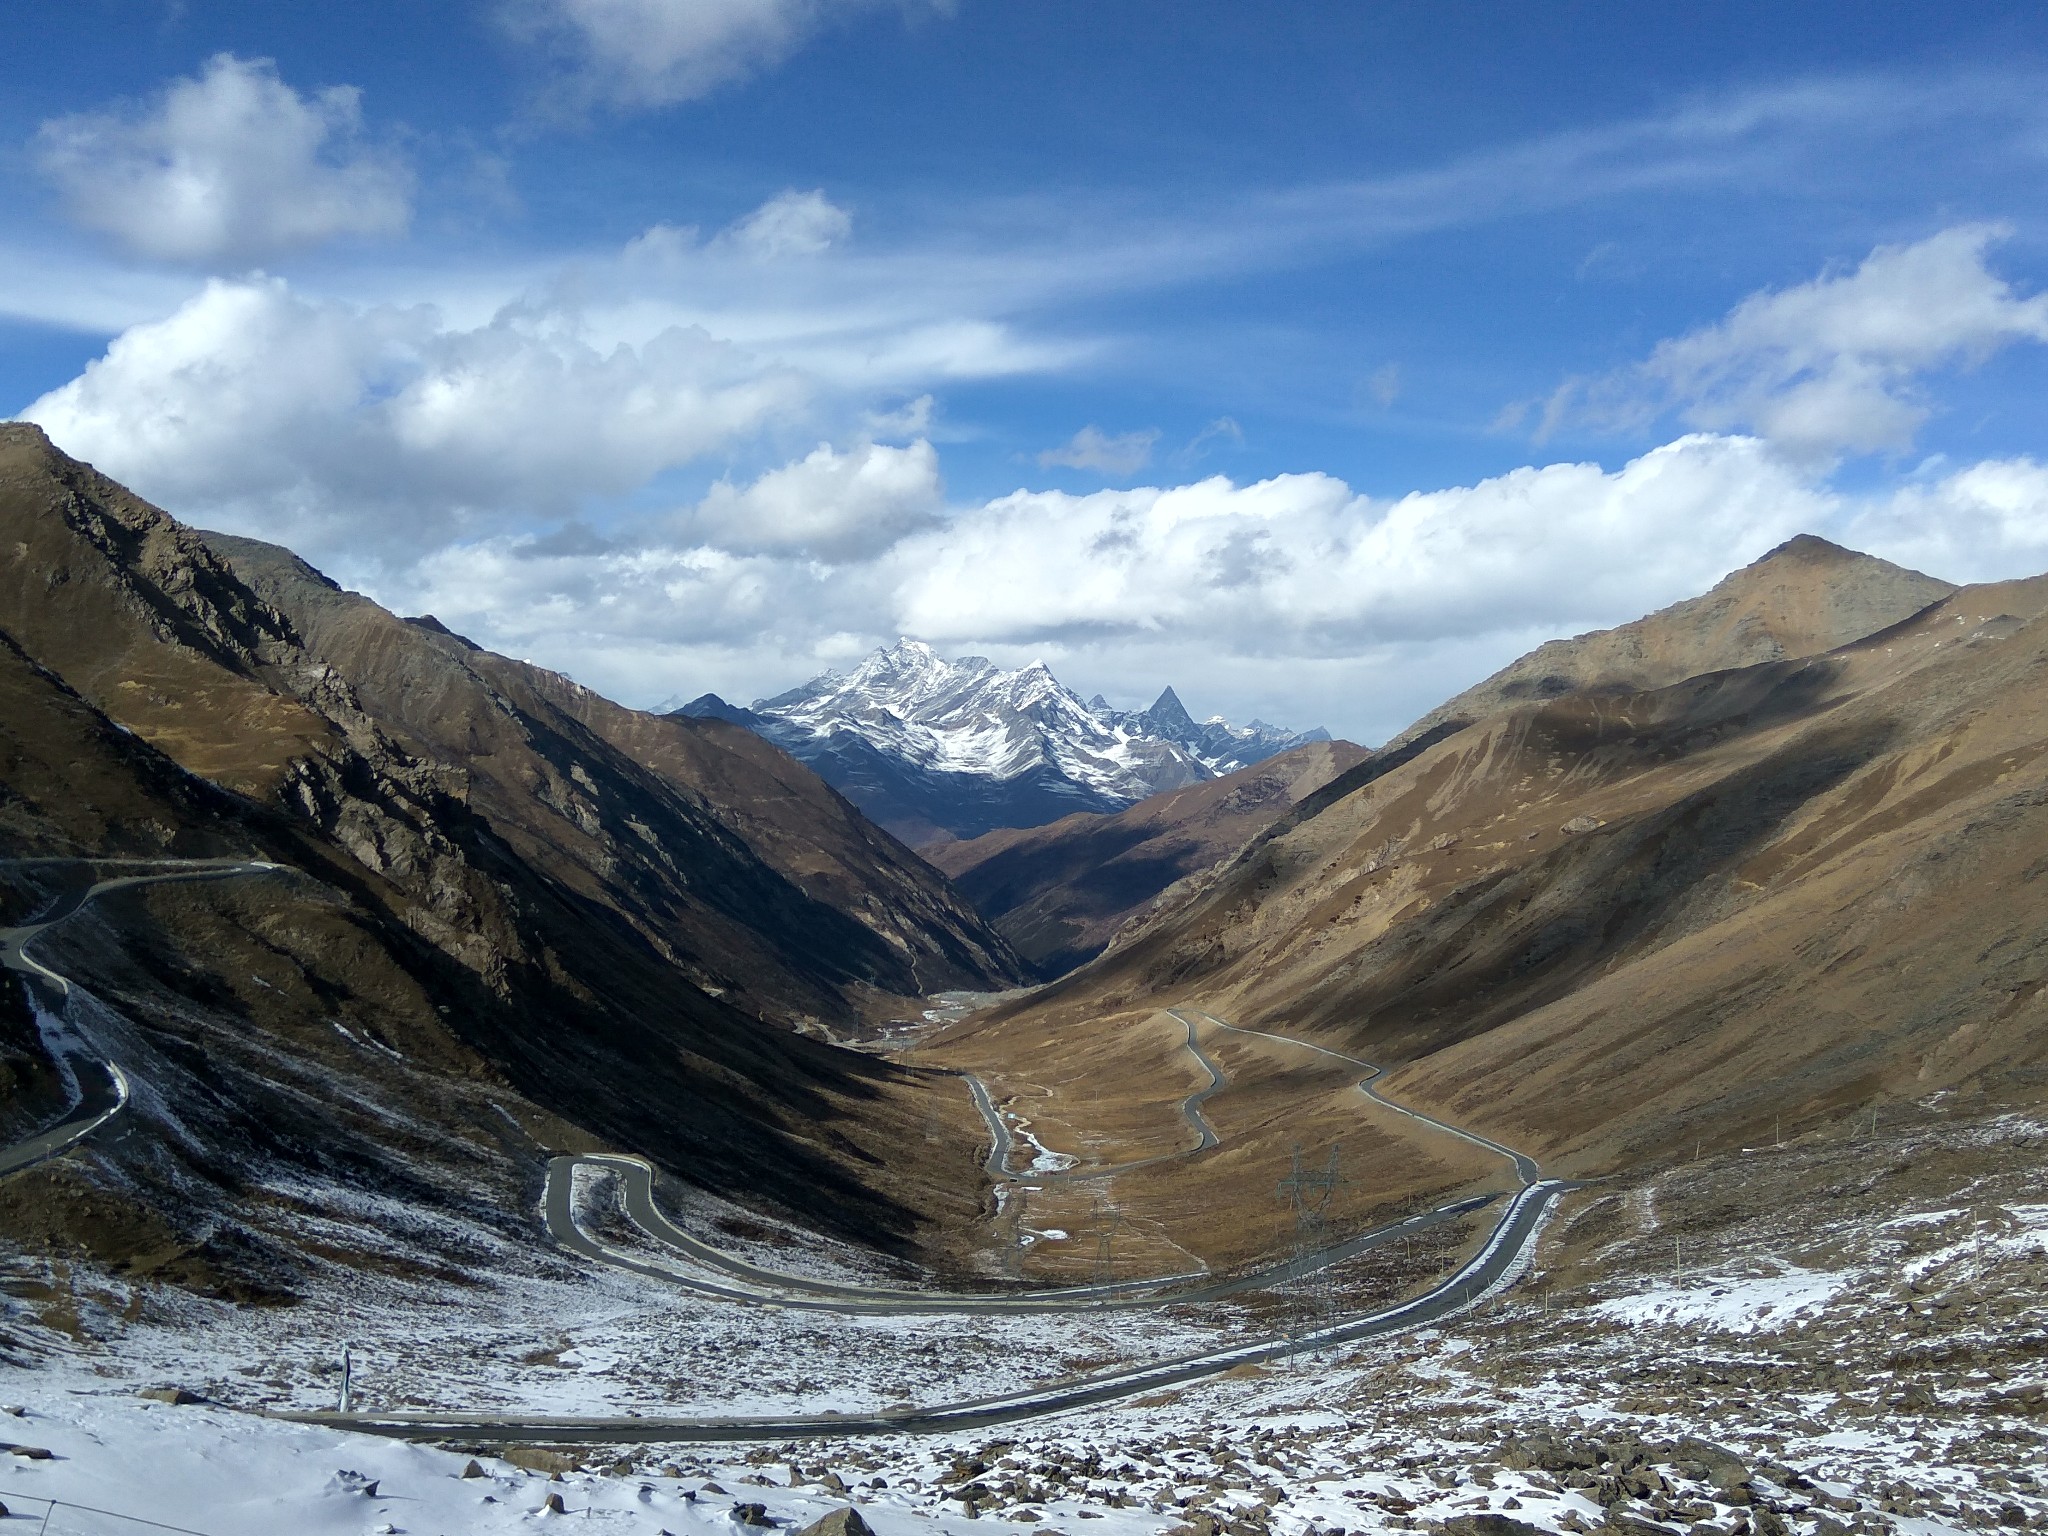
(1831, 366)
(234, 164)
(345, 427)
(650, 53)
(1984, 522)
(1301, 564)
(1092, 448)
(1294, 597)
(791, 224)
(1270, 585)
(828, 505)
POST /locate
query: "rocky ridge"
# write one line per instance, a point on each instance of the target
(514, 914)
(933, 749)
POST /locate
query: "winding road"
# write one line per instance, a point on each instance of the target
(998, 1161)
(1503, 1256)
(1498, 1263)
(102, 1085)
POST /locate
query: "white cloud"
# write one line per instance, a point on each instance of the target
(382, 429)
(1092, 448)
(1986, 522)
(791, 224)
(1302, 565)
(1834, 365)
(1263, 594)
(1383, 388)
(1295, 598)
(828, 505)
(649, 53)
(235, 164)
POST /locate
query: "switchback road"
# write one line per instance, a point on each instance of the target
(102, 1086)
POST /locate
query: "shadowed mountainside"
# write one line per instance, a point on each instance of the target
(522, 917)
(1620, 921)
(1059, 893)
(1804, 597)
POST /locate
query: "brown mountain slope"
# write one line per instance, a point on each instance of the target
(539, 950)
(1804, 597)
(1058, 893)
(569, 779)
(1616, 924)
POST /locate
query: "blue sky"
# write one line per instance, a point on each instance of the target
(1315, 359)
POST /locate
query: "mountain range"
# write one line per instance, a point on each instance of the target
(1754, 860)
(1768, 856)
(510, 915)
(933, 750)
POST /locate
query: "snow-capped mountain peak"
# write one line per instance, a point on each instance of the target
(932, 746)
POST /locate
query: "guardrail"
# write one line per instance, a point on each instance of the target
(60, 1517)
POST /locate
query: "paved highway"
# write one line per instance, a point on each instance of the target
(732, 1279)
(998, 1161)
(750, 1283)
(1499, 1262)
(103, 1087)
(1503, 1256)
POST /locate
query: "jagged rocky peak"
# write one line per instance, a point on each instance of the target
(934, 748)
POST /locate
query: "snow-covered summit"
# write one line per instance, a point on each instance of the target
(929, 746)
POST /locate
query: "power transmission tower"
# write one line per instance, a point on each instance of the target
(1108, 1222)
(1311, 1191)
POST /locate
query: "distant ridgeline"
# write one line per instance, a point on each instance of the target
(935, 749)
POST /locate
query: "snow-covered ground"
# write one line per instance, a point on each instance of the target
(1842, 1339)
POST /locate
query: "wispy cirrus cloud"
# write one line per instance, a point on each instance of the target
(655, 53)
(1831, 366)
(1124, 453)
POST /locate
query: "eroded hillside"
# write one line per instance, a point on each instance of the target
(513, 918)
(1621, 923)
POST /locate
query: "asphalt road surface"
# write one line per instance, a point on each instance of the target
(1503, 1256)
(103, 1087)
(764, 1287)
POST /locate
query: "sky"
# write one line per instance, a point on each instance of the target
(1313, 359)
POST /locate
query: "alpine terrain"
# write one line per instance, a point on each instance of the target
(437, 1098)
(934, 750)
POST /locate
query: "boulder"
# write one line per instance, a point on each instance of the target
(175, 1395)
(474, 1469)
(1490, 1525)
(841, 1522)
(552, 1504)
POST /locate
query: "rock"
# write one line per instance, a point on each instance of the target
(841, 1522)
(711, 1488)
(1582, 824)
(1490, 1525)
(31, 1452)
(751, 1514)
(474, 1469)
(174, 1395)
(552, 1505)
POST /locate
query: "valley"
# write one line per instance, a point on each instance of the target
(604, 1084)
